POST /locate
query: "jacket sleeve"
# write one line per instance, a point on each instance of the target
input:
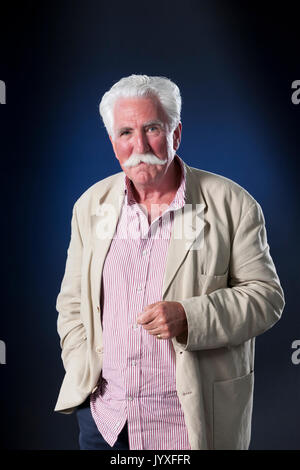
(253, 300)
(69, 325)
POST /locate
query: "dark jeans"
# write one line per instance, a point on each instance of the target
(89, 435)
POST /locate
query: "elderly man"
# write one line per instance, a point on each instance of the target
(167, 283)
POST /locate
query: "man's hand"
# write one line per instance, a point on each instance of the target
(168, 319)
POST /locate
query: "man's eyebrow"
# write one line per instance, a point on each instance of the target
(151, 123)
(146, 124)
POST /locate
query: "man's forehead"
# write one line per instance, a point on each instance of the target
(136, 101)
(146, 108)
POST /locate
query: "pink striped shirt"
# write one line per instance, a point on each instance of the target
(138, 380)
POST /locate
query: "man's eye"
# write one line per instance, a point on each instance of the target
(124, 133)
(152, 127)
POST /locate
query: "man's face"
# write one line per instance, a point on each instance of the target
(140, 128)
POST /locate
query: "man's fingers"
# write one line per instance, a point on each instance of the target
(151, 325)
(147, 315)
(143, 319)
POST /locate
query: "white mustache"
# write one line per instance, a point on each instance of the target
(149, 158)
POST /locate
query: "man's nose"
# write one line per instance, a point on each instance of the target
(141, 143)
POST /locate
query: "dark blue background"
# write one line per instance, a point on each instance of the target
(234, 65)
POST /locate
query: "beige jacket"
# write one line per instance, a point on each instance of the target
(221, 272)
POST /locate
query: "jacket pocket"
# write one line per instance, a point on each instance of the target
(209, 283)
(232, 412)
(79, 343)
(72, 350)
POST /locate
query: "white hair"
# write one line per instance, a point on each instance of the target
(166, 91)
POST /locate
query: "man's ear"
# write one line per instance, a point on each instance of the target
(112, 142)
(113, 146)
(177, 136)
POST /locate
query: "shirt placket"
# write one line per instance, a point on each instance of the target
(143, 245)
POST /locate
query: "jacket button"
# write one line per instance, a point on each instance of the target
(99, 349)
(98, 308)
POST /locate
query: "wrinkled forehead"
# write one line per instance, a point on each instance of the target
(138, 110)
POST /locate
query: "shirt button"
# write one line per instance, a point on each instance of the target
(130, 398)
(144, 252)
(134, 363)
(135, 326)
(139, 288)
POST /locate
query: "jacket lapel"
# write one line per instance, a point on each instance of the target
(105, 213)
(188, 230)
